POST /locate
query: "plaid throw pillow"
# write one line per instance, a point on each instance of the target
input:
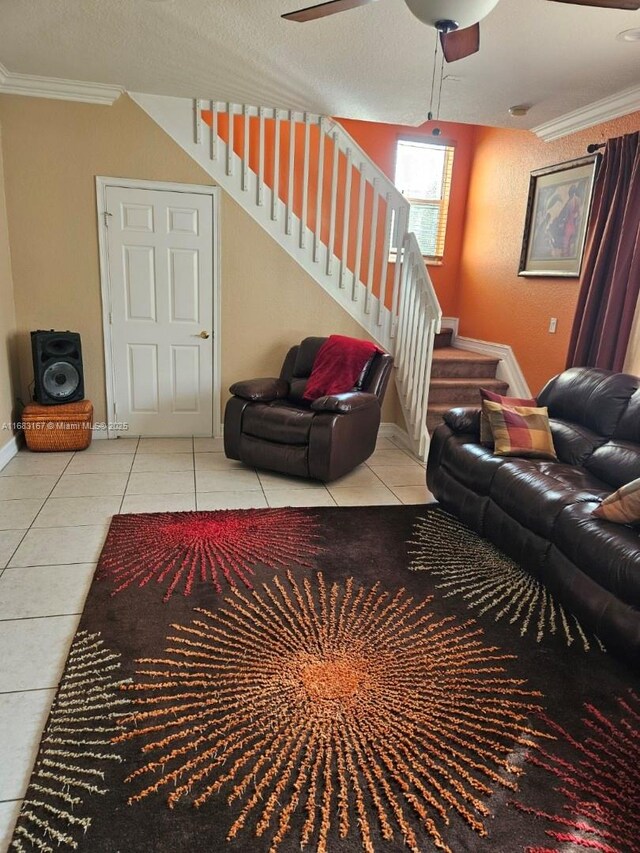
(623, 506)
(520, 430)
(486, 436)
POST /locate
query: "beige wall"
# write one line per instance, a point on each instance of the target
(53, 150)
(8, 359)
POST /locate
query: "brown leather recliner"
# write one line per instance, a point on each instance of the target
(267, 424)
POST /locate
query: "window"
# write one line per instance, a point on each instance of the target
(423, 176)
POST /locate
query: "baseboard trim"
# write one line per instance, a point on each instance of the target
(388, 429)
(451, 323)
(8, 451)
(393, 431)
(508, 367)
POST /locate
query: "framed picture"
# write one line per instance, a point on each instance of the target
(557, 215)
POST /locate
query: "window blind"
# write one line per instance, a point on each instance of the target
(423, 176)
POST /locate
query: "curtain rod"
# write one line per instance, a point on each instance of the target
(595, 146)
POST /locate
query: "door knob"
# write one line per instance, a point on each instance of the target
(204, 335)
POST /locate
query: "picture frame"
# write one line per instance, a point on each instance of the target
(558, 208)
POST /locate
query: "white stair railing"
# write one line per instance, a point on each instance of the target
(306, 181)
(419, 320)
(317, 177)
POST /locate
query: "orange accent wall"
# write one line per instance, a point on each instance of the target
(379, 141)
(494, 304)
(313, 188)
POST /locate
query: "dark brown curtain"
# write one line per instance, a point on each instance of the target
(611, 268)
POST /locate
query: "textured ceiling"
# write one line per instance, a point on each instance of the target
(373, 63)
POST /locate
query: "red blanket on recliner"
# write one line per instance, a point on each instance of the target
(338, 366)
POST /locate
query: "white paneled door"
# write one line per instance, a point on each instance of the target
(159, 251)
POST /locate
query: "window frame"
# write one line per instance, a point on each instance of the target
(445, 202)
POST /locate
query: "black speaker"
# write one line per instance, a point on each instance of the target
(57, 367)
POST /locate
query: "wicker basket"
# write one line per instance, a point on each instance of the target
(54, 428)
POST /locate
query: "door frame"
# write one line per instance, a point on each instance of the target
(102, 183)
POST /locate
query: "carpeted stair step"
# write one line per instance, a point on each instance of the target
(443, 339)
(463, 391)
(435, 415)
(456, 377)
(460, 363)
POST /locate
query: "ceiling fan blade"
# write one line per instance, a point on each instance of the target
(460, 43)
(312, 13)
(628, 5)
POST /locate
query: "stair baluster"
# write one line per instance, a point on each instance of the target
(397, 307)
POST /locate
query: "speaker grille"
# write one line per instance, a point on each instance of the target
(60, 380)
(59, 348)
(57, 367)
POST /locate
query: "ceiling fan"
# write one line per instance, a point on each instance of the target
(457, 21)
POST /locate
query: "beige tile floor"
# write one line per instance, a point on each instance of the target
(54, 512)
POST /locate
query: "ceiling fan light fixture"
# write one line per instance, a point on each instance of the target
(447, 26)
(464, 12)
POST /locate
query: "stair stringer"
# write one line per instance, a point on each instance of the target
(175, 116)
(509, 369)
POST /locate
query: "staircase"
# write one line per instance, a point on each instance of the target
(456, 377)
(324, 201)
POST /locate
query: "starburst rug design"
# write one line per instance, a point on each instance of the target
(599, 781)
(488, 581)
(326, 698)
(353, 691)
(76, 751)
(179, 549)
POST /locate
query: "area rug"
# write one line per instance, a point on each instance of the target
(331, 680)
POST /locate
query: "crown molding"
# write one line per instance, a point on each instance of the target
(12, 83)
(614, 106)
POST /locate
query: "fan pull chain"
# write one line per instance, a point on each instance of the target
(441, 82)
(433, 79)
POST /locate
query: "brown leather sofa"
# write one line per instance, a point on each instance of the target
(267, 424)
(540, 512)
